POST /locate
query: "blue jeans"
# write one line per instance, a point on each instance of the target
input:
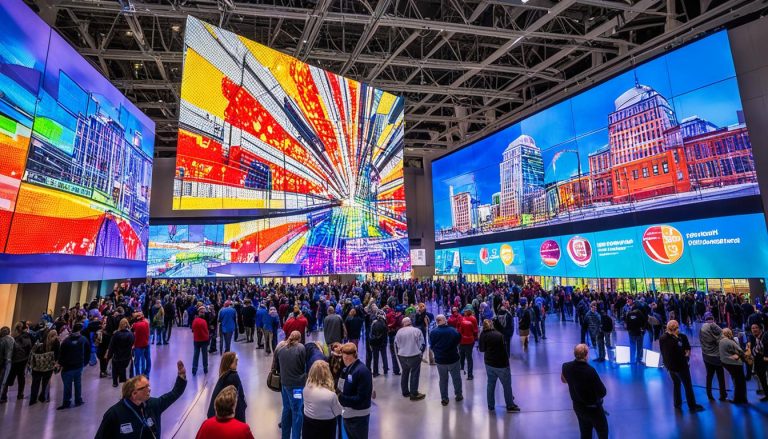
(158, 332)
(69, 378)
(636, 348)
(293, 414)
(503, 375)
(201, 349)
(141, 362)
(226, 340)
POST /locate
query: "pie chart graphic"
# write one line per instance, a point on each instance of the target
(507, 254)
(550, 252)
(484, 255)
(663, 244)
(579, 250)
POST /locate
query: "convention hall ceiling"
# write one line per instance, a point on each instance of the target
(465, 67)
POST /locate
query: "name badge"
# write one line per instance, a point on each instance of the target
(150, 422)
(349, 379)
(297, 393)
(340, 384)
(126, 428)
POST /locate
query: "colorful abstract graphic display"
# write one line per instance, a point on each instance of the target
(310, 241)
(667, 133)
(261, 130)
(75, 154)
(702, 249)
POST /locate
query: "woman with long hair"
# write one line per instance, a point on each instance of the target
(119, 351)
(42, 363)
(321, 405)
(228, 377)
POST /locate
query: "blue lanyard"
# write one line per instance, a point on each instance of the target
(141, 419)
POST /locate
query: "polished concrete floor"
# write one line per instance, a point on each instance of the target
(639, 400)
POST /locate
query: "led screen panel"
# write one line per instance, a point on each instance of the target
(685, 249)
(261, 130)
(303, 241)
(75, 159)
(667, 133)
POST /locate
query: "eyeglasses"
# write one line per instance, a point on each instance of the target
(139, 389)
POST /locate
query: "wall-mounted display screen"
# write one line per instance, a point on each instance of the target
(667, 133)
(686, 249)
(75, 155)
(261, 130)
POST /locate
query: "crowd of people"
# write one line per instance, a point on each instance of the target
(324, 385)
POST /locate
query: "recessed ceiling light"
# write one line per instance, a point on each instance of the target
(128, 33)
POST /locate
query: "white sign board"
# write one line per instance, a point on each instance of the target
(418, 256)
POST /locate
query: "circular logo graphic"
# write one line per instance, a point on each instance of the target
(507, 254)
(550, 253)
(580, 251)
(663, 244)
(484, 255)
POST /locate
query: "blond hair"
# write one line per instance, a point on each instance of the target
(320, 375)
(225, 402)
(130, 385)
(123, 324)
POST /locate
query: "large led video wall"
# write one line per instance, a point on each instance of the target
(666, 133)
(261, 130)
(687, 249)
(75, 160)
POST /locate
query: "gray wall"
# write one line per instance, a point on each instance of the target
(421, 224)
(749, 44)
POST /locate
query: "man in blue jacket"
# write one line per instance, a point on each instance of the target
(228, 325)
(262, 315)
(445, 343)
(356, 392)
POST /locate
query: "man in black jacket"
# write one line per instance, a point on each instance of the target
(758, 344)
(74, 354)
(356, 394)
(496, 366)
(587, 393)
(137, 413)
(676, 351)
(635, 322)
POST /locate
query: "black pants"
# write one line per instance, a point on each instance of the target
(409, 382)
(167, 331)
(683, 377)
(465, 355)
(592, 419)
(318, 428)
(17, 371)
(118, 371)
(739, 382)
(357, 428)
(40, 382)
(761, 367)
(712, 370)
(393, 354)
(379, 352)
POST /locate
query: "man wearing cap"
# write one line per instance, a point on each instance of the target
(228, 325)
(445, 343)
(469, 332)
(410, 344)
(201, 338)
(709, 336)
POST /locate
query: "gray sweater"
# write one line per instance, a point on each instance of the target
(6, 349)
(292, 363)
(709, 336)
(729, 347)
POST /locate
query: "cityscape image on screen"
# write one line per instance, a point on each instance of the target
(669, 132)
(259, 129)
(75, 154)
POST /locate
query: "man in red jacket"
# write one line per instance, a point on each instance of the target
(468, 330)
(296, 322)
(455, 319)
(141, 361)
(200, 337)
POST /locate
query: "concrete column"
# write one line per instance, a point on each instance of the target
(74, 294)
(52, 298)
(7, 303)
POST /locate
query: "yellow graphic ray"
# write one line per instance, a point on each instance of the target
(203, 89)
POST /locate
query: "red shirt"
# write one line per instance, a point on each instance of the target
(224, 429)
(200, 329)
(141, 334)
(295, 324)
(468, 330)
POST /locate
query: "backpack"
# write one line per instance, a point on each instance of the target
(378, 331)
(41, 361)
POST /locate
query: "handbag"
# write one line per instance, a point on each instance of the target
(273, 378)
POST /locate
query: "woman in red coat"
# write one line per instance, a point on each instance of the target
(224, 425)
